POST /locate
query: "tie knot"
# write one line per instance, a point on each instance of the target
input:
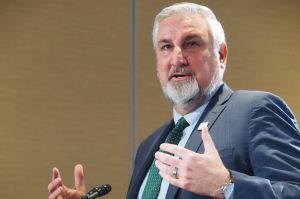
(176, 133)
(181, 124)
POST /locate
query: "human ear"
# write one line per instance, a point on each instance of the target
(223, 53)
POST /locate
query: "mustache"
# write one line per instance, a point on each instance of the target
(179, 71)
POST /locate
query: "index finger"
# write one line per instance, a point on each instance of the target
(174, 149)
(55, 173)
(54, 185)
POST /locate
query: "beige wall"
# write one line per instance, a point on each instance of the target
(64, 94)
(65, 82)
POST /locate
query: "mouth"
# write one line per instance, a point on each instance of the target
(179, 76)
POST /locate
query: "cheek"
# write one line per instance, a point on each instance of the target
(202, 79)
(162, 75)
(203, 74)
(162, 70)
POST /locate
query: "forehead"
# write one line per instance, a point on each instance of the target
(178, 26)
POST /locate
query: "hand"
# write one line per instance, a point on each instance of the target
(202, 174)
(57, 190)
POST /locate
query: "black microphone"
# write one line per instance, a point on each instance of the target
(97, 192)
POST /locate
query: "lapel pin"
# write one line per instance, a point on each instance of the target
(202, 125)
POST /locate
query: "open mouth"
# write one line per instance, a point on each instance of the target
(180, 76)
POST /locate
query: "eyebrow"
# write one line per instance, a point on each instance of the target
(188, 37)
(193, 36)
(164, 41)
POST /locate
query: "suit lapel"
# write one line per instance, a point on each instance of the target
(213, 110)
(210, 115)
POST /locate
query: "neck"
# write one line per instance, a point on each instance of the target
(190, 106)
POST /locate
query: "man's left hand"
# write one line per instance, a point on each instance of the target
(202, 174)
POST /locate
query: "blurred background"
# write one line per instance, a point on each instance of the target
(78, 82)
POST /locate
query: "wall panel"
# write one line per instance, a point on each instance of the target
(64, 94)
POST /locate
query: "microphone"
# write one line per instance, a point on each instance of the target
(98, 192)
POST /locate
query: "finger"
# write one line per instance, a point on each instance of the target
(56, 180)
(174, 149)
(209, 146)
(55, 173)
(170, 179)
(56, 193)
(54, 184)
(79, 177)
(163, 167)
(167, 159)
(167, 170)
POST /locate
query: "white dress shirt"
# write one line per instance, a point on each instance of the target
(192, 119)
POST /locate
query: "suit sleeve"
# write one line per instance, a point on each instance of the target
(274, 151)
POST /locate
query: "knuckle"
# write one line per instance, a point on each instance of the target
(190, 160)
(189, 168)
(176, 150)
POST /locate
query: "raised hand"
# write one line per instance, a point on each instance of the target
(57, 190)
(199, 173)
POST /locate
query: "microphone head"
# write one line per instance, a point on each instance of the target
(103, 189)
(98, 192)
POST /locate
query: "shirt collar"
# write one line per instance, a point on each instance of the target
(193, 116)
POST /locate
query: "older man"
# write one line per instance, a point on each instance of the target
(253, 148)
(220, 143)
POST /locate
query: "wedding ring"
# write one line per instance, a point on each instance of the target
(174, 172)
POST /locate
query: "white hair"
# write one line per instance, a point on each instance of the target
(215, 26)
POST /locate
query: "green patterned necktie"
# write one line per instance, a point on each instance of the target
(152, 187)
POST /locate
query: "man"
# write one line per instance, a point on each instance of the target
(241, 144)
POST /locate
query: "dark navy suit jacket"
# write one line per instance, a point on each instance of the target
(257, 137)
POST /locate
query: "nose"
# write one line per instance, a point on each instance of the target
(178, 57)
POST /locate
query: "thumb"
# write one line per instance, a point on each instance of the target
(209, 146)
(79, 178)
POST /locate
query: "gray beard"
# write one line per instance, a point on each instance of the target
(182, 93)
(185, 92)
